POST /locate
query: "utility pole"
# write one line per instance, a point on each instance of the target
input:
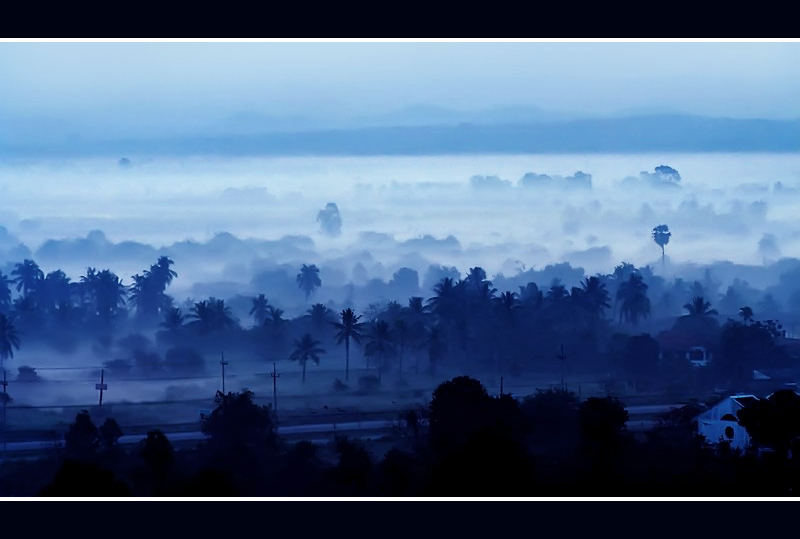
(275, 377)
(501, 386)
(102, 386)
(562, 357)
(5, 401)
(223, 363)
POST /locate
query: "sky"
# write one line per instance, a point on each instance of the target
(123, 87)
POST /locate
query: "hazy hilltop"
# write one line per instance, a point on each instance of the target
(422, 130)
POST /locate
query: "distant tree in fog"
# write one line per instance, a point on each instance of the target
(260, 309)
(319, 315)
(380, 344)
(5, 293)
(173, 319)
(633, 296)
(211, 315)
(747, 314)
(308, 279)
(661, 235)
(8, 339)
(329, 219)
(304, 349)
(349, 328)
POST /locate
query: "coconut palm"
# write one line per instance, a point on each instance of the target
(27, 276)
(661, 235)
(699, 307)
(349, 328)
(9, 340)
(260, 309)
(173, 320)
(308, 279)
(594, 296)
(319, 315)
(380, 344)
(635, 303)
(306, 348)
(5, 293)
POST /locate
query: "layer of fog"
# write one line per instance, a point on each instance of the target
(225, 220)
(239, 227)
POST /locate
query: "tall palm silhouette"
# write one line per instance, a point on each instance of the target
(635, 303)
(27, 276)
(9, 340)
(661, 235)
(304, 349)
(308, 279)
(349, 328)
(380, 344)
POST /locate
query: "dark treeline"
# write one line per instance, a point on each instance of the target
(466, 442)
(621, 326)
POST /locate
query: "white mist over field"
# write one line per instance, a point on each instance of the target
(723, 208)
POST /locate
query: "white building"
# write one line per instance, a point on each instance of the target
(721, 422)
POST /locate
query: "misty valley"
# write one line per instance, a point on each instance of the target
(477, 325)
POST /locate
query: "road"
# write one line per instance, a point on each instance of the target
(641, 418)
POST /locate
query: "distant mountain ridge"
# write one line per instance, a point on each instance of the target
(631, 134)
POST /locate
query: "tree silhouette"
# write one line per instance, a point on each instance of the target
(380, 344)
(9, 340)
(308, 279)
(635, 303)
(27, 276)
(661, 235)
(699, 307)
(594, 296)
(304, 349)
(437, 348)
(349, 328)
(211, 315)
(5, 293)
(238, 420)
(747, 314)
(260, 309)
(773, 422)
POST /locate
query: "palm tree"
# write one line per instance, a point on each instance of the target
(349, 328)
(747, 315)
(308, 279)
(319, 315)
(699, 307)
(211, 315)
(173, 320)
(260, 309)
(5, 293)
(635, 303)
(437, 347)
(28, 275)
(305, 349)
(380, 344)
(661, 235)
(8, 339)
(162, 273)
(594, 296)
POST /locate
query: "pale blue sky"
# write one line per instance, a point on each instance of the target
(115, 84)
